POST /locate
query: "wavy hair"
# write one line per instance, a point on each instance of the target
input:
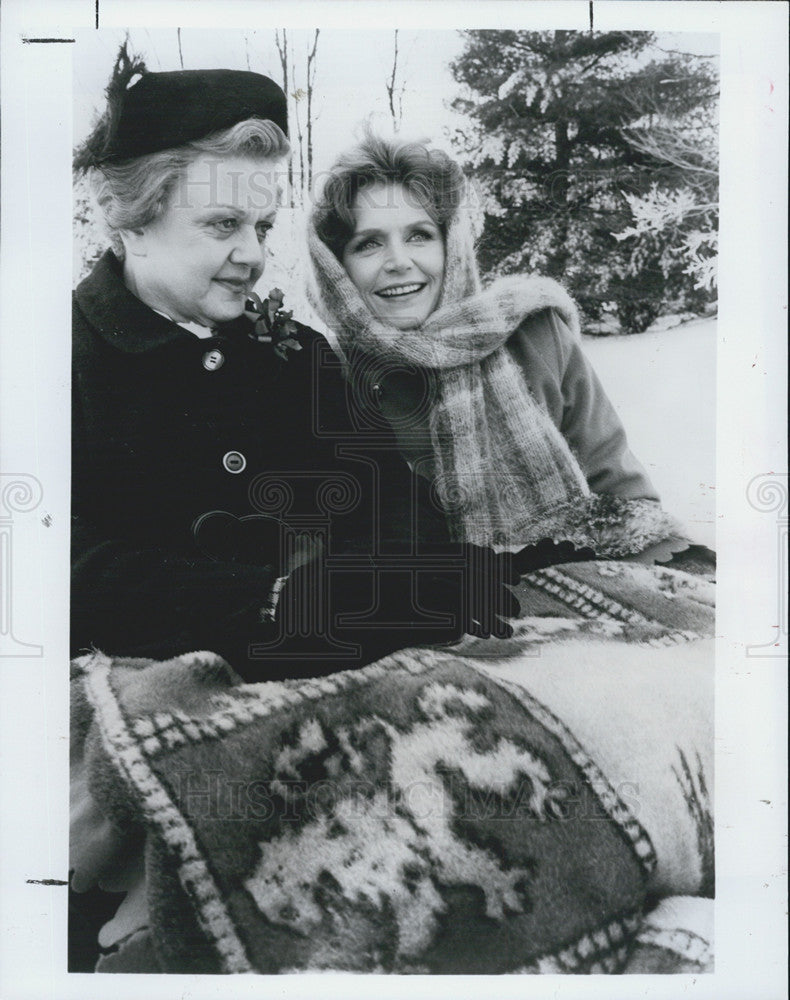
(131, 194)
(429, 175)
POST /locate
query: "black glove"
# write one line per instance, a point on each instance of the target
(697, 559)
(475, 591)
(458, 589)
(549, 553)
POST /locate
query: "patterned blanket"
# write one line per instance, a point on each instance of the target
(513, 806)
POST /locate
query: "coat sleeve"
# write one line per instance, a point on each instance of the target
(136, 601)
(566, 384)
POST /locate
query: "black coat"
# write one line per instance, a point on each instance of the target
(160, 440)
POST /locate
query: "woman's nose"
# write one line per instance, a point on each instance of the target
(248, 249)
(397, 256)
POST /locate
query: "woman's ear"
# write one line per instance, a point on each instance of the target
(134, 242)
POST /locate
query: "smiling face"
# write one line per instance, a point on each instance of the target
(395, 257)
(199, 260)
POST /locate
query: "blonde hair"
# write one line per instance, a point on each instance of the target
(131, 194)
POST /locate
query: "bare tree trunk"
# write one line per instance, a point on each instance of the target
(297, 96)
(397, 115)
(282, 49)
(180, 53)
(310, 85)
(390, 85)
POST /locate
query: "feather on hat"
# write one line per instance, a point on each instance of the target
(160, 111)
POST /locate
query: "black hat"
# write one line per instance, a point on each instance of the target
(164, 110)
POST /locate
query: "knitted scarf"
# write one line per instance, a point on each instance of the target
(504, 473)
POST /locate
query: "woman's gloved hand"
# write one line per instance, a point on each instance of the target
(433, 599)
(475, 591)
(547, 552)
(336, 618)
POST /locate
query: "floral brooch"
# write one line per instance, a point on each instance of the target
(273, 324)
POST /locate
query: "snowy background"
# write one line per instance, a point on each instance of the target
(663, 385)
(667, 389)
(662, 381)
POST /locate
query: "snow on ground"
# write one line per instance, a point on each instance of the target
(663, 386)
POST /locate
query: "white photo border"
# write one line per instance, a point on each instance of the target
(751, 691)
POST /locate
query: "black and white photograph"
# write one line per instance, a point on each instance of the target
(394, 483)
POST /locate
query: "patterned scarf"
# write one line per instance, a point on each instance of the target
(504, 473)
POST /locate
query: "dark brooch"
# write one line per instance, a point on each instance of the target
(273, 324)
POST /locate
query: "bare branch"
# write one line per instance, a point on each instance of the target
(395, 92)
(180, 53)
(673, 148)
(311, 67)
(684, 55)
(297, 96)
(282, 50)
(672, 140)
(390, 84)
(594, 62)
(153, 48)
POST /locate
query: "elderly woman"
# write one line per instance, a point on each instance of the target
(206, 444)
(193, 424)
(416, 816)
(488, 391)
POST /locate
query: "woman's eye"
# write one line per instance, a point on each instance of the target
(226, 225)
(367, 244)
(263, 230)
(421, 236)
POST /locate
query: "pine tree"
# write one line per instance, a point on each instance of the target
(555, 123)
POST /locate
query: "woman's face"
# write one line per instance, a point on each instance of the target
(199, 260)
(395, 257)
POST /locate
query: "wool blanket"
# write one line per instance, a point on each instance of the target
(496, 807)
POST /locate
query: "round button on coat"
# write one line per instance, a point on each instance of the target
(212, 360)
(234, 461)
